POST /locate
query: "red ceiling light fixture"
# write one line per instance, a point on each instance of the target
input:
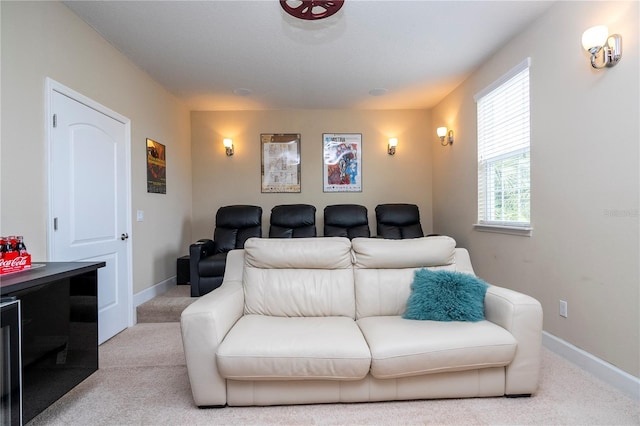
(311, 10)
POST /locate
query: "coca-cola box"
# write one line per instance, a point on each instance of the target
(13, 255)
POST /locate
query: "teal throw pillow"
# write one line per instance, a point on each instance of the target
(446, 296)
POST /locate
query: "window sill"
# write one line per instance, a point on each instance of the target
(523, 231)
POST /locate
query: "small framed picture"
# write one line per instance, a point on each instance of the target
(156, 167)
(342, 158)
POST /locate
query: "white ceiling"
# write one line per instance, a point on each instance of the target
(202, 51)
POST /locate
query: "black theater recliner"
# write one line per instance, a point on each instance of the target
(346, 220)
(208, 258)
(293, 221)
(398, 221)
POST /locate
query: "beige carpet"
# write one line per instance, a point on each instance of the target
(167, 307)
(143, 381)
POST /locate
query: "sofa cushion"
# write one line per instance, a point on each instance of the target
(402, 348)
(378, 253)
(298, 253)
(299, 277)
(446, 296)
(384, 270)
(271, 348)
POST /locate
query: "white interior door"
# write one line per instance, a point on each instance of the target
(89, 202)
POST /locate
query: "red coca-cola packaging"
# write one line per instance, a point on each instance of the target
(13, 255)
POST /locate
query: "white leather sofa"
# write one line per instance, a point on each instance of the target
(319, 320)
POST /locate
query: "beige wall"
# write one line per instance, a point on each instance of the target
(219, 180)
(45, 39)
(585, 181)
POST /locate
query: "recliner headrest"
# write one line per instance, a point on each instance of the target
(239, 216)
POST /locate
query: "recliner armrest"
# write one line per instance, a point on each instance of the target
(202, 248)
(197, 251)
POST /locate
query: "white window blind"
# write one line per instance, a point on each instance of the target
(503, 150)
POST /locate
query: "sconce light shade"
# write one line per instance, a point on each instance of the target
(228, 146)
(393, 143)
(442, 134)
(594, 36)
(597, 39)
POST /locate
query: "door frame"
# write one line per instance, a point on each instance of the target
(52, 86)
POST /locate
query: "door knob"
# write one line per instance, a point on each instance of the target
(124, 236)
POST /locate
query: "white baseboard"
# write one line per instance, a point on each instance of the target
(606, 372)
(151, 292)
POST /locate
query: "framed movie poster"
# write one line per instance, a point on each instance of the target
(342, 157)
(156, 168)
(280, 162)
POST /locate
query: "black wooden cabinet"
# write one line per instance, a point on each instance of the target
(59, 317)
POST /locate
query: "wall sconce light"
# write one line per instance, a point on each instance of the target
(596, 40)
(442, 134)
(228, 146)
(391, 149)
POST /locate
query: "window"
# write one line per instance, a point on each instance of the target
(504, 190)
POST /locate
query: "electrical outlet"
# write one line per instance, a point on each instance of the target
(564, 308)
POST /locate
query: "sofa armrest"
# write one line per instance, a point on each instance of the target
(521, 315)
(463, 261)
(235, 266)
(204, 324)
